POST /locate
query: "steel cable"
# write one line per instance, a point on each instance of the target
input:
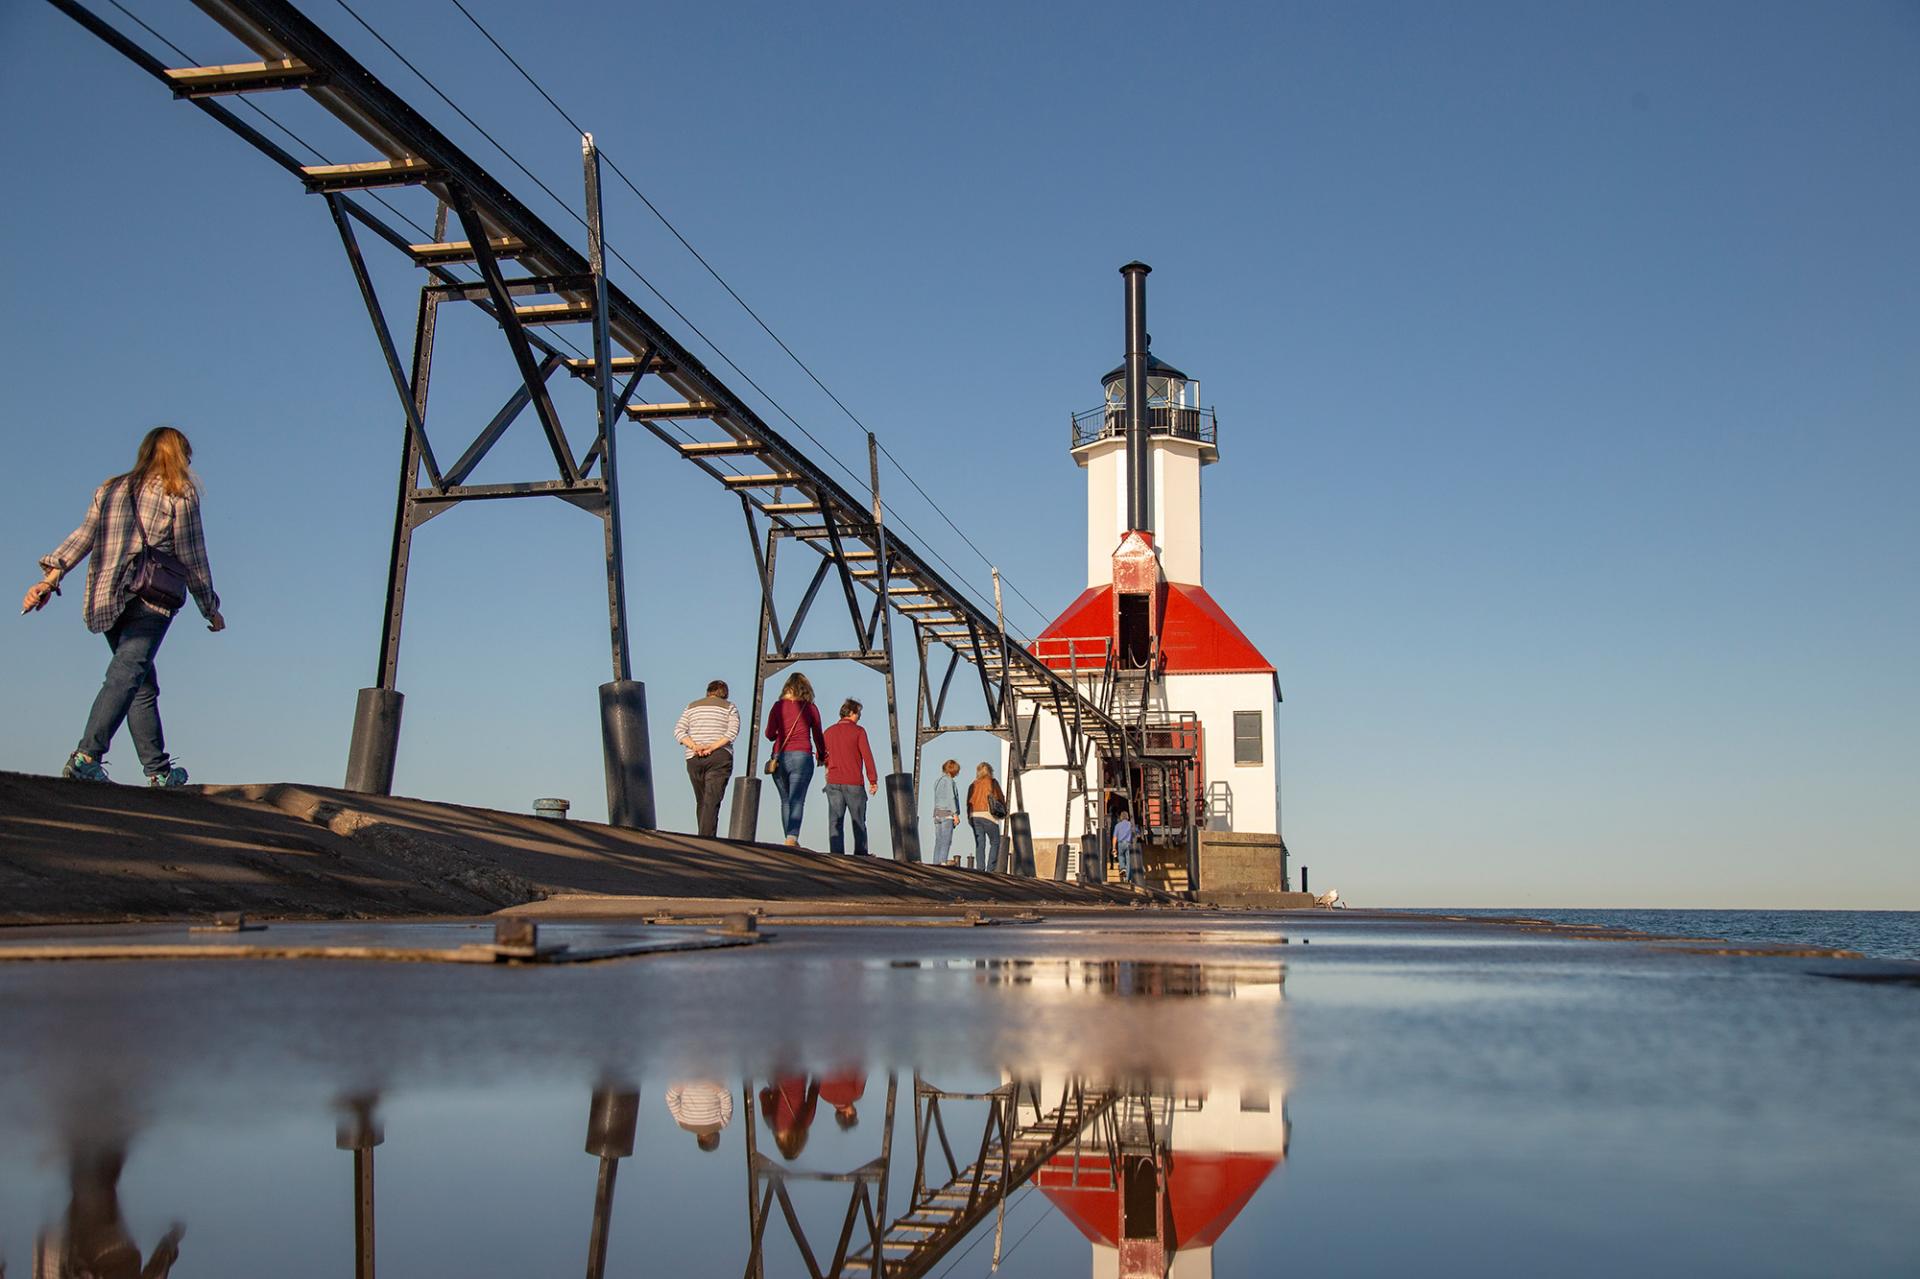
(755, 315)
(664, 300)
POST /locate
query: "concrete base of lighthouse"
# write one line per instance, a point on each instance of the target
(1246, 868)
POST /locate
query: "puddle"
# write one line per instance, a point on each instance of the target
(1050, 1102)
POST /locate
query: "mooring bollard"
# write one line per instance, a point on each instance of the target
(1018, 859)
(623, 740)
(554, 810)
(743, 824)
(903, 822)
(612, 1121)
(376, 741)
(1093, 867)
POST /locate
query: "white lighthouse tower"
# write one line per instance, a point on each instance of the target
(1147, 639)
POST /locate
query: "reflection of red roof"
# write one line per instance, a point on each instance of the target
(1196, 635)
(1208, 1192)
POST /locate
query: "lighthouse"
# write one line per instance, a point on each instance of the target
(1148, 642)
(1156, 1184)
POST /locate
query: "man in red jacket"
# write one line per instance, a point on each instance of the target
(848, 755)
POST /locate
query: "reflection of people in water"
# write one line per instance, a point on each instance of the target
(840, 1090)
(97, 1245)
(703, 1108)
(788, 1104)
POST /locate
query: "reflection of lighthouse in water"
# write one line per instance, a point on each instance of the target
(1158, 1180)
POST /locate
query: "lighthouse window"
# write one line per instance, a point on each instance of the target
(1249, 741)
(1029, 730)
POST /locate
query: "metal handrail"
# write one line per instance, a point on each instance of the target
(1109, 421)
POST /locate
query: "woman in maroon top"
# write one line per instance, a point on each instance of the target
(793, 726)
(788, 1104)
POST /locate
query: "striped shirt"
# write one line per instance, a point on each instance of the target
(170, 524)
(700, 1106)
(711, 719)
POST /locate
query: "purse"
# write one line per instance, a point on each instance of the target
(773, 755)
(155, 576)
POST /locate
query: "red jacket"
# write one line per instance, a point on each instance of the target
(794, 726)
(847, 754)
(843, 1088)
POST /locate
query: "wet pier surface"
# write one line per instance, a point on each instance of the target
(1149, 1093)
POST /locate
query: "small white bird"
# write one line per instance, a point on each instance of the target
(1327, 898)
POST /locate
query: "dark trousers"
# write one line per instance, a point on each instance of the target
(986, 841)
(792, 771)
(851, 801)
(130, 694)
(709, 774)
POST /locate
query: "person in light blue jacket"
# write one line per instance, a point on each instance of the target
(946, 810)
(1125, 848)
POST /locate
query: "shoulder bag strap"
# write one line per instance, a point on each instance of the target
(133, 507)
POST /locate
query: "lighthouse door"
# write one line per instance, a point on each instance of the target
(1136, 630)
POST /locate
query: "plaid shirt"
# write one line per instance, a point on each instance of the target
(170, 524)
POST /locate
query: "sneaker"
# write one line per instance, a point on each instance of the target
(83, 768)
(174, 776)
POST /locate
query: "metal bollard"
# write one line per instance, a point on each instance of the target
(902, 821)
(376, 741)
(612, 1121)
(629, 760)
(744, 823)
(554, 810)
(1019, 856)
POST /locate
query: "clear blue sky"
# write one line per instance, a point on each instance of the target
(1565, 357)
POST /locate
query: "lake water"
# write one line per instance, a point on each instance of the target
(1878, 934)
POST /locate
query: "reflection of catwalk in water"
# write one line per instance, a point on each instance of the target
(96, 1244)
(1158, 1181)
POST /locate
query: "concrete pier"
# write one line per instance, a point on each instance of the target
(78, 853)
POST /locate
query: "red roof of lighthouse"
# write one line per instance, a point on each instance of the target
(1196, 635)
(1207, 1192)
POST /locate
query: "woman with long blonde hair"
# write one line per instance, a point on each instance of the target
(793, 726)
(986, 805)
(149, 552)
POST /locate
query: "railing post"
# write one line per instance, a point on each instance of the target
(623, 702)
(903, 817)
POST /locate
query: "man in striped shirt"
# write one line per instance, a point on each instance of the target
(703, 1108)
(707, 729)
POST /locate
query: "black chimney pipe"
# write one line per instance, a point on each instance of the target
(1139, 474)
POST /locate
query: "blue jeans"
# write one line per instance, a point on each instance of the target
(848, 801)
(986, 843)
(130, 694)
(1129, 865)
(943, 836)
(792, 771)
